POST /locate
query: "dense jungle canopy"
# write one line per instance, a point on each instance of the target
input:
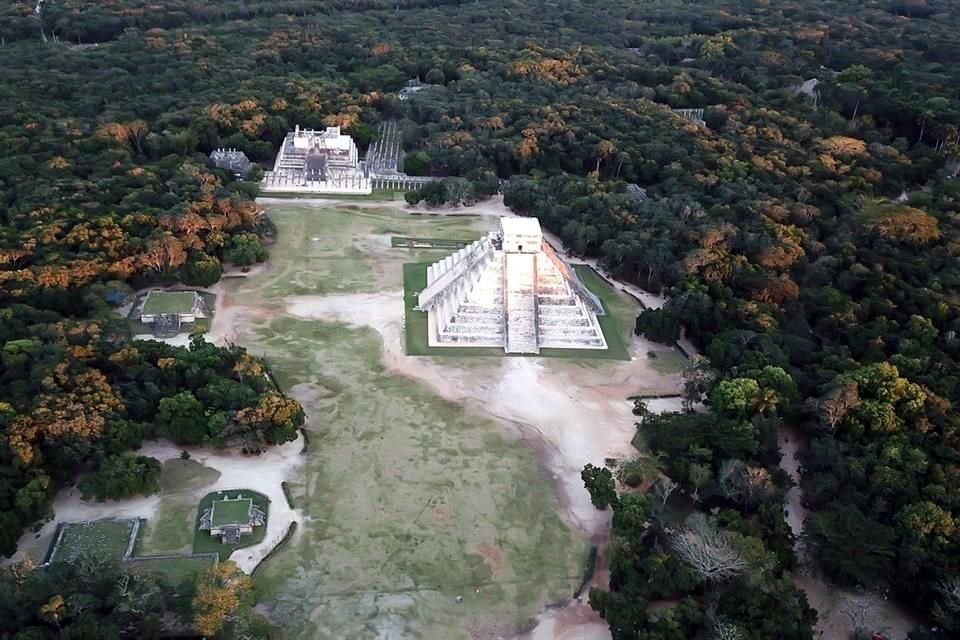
(806, 233)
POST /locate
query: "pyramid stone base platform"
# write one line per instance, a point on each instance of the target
(510, 290)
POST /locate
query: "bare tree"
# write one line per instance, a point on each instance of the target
(949, 607)
(698, 377)
(709, 550)
(950, 589)
(743, 483)
(834, 406)
(664, 488)
(720, 628)
(859, 611)
(723, 630)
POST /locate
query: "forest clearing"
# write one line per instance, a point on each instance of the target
(423, 444)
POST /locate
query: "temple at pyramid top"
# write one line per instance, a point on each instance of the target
(509, 289)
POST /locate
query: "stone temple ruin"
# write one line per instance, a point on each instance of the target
(510, 290)
(312, 161)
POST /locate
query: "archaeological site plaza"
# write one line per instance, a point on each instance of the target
(312, 161)
(510, 290)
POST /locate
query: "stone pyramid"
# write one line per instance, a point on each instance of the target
(510, 290)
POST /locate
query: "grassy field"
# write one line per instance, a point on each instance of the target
(203, 542)
(230, 511)
(618, 307)
(175, 570)
(407, 500)
(104, 538)
(168, 302)
(668, 362)
(172, 530)
(182, 475)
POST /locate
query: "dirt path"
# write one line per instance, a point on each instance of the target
(832, 602)
(572, 621)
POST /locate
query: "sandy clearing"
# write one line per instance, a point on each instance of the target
(272, 467)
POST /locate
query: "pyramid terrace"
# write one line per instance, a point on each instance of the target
(312, 161)
(510, 289)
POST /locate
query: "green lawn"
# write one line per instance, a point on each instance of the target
(616, 305)
(667, 362)
(172, 529)
(203, 542)
(175, 570)
(230, 511)
(104, 538)
(168, 302)
(182, 475)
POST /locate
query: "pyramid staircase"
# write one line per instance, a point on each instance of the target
(521, 302)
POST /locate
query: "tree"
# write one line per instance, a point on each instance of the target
(927, 522)
(852, 548)
(659, 325)
(709, 550)
(275, 419)
(53, 611)
(744, 484)
(736, 397)
(599, 482)
(183, 418)
(121, 477)
(222, 592)
(833, 407)
(435, 76)
(630, 515)
(854, 81)
(725, 630)
(664, 488)
(202, 270)
(698, 378)
(245, 249)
